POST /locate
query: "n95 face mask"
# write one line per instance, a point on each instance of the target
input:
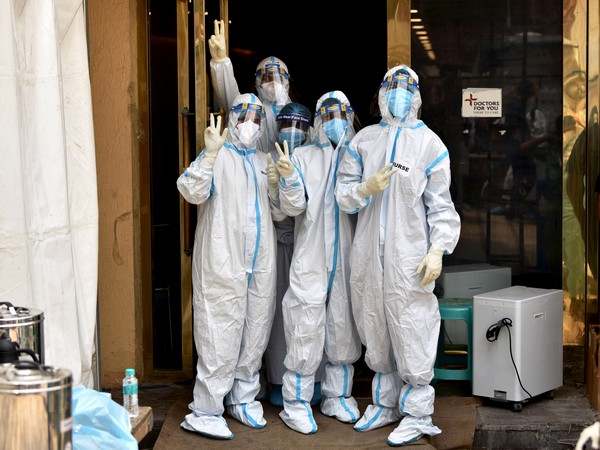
(273, 92)
(248, 132)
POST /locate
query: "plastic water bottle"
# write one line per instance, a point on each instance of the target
(130, 393)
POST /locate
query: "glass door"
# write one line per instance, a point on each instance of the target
(491, 77)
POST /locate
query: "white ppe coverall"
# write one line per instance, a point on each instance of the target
(297, 117)
(233, 275)
(226, 89)
(398, 319)
(316, 307)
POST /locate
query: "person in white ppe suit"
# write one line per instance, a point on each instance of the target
(233, 270)
(293, 126)
(317, 312)
(272, 84)
(396, 175)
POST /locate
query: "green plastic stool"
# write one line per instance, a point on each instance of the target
(455, 362)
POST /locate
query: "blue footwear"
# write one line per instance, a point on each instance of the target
(276, 397)
(317, 396)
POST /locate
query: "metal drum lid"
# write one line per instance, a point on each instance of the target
(29, 377)
(18, 315)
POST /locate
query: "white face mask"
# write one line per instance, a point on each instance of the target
(248, 132)
(273, 92)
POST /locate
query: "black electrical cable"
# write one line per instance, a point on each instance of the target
(492, 335)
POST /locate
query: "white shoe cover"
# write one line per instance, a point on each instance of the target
(250, 414)
(376, 416)
(211, 426)
(412, 429)
(297, 415)
(344, 409)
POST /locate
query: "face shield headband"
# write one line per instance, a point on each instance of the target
(291, 120)
(249, 111)
(400, 80)
(335, 111)
(271, 72)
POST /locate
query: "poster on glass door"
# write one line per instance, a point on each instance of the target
(481, 102)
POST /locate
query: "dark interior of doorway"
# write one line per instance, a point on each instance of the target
(164, 170)
(325, 45)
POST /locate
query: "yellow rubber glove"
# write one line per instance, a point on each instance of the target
(432, 265)
(216, 43)
(213, 141)
(377, 182)
(284, 165)
(272, 177)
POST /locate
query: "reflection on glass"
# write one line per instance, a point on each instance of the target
(525, 177)
(507, 168)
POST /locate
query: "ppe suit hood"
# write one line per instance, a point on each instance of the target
(412, 117)
(274, 65)
(321, 137)
(240, 105)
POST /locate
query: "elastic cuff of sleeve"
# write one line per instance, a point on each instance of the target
(362, 190)
(437, 248)
(207, 163)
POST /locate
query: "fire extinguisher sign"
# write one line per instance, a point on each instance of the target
(482, 102)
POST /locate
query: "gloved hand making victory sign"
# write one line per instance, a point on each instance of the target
(284, 165)
(213, 142)
(216, 43)
(377, 182)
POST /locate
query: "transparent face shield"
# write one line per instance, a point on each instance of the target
(272, 84)
(292, 128)
(249, 120)
(334, 119)
(398, 90)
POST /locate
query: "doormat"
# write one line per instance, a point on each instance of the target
(454, 415)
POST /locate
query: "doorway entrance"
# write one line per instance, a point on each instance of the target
(510, 199)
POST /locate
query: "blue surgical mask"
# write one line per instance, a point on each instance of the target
(398, 101)
(334, 129)
(293, 136)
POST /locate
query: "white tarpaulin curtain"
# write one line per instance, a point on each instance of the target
(48, 193)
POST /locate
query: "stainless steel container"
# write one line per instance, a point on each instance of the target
(25, 327)
(35, 407)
